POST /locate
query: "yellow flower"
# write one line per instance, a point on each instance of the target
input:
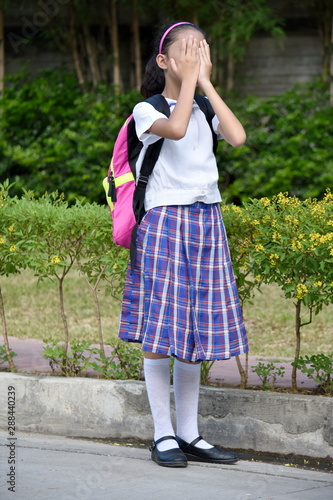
(258, 278)
(317, 284)
(321, 239)
(55, 259)
(292, 220)
(236, 209)
(265, 202)
(331, 252)
(255, 222)
(318, 210)
(273, 258)
(283, 199)
(296, 245)
(328, 196)
(301, 291)
(276, 236)
(115, 266)
(259, 247)
(11, 228)
(2, 241)
(12, 248)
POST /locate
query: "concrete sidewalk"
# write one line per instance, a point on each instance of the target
(55, 468)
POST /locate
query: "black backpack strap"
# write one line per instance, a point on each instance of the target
(148, 164)
(149, 161)
(208, 111)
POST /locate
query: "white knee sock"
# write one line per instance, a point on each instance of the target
(157, 376)
(186, 380)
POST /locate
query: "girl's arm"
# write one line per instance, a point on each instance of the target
(186, 70)
(229, 127)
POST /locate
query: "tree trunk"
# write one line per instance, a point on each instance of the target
(331, 66)
(230, 72)
(2, 49)
(113, 33)
(5, 334)
(64, 318)
(324, 13)
(298, 345)
(231, 63)
(135, 22)
(92, 54)
(75, 50)
(243, 373)
(101, 44)
(195, 18)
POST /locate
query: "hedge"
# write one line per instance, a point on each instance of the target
(55, 136)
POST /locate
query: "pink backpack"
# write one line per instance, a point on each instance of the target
(124, 195)
(119, 187)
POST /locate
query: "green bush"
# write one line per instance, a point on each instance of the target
(288, 149)
(318, 368)
(54, 136)
(283, 240)
(72, 363)
(268, 373)
(3, 355)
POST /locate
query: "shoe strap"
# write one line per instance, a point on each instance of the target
(195, 441)
(164, 438)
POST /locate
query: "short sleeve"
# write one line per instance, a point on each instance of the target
(144, 116)
(215, 124)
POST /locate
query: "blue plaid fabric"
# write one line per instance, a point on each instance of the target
(181, 297)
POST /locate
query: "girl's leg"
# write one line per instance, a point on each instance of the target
(157, 377)
(186, 380)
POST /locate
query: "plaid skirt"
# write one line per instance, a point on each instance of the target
(180, 298)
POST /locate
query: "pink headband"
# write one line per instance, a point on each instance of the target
(166, 34)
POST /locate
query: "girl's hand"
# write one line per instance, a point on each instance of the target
(205, 64)
(187, 64)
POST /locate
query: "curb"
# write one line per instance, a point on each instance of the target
(233, 418)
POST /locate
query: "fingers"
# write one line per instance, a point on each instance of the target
(183, 47)
(189, 47)
(192, 46)
(205, 63)
(204, 52)
(188, 64)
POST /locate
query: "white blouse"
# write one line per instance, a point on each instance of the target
(186, 170)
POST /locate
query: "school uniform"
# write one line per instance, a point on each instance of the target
(180, 298)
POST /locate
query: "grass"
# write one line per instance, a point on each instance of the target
(32, 308)
(270, 321)
(32, 311)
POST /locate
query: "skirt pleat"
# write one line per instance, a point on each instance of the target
(180, 298)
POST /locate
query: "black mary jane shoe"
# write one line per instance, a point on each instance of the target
(169, 458)
(213, 455)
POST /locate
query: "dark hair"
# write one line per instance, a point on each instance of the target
(153, 81)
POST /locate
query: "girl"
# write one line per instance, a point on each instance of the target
(180, 299)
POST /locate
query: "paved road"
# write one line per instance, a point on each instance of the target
(55, 468)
